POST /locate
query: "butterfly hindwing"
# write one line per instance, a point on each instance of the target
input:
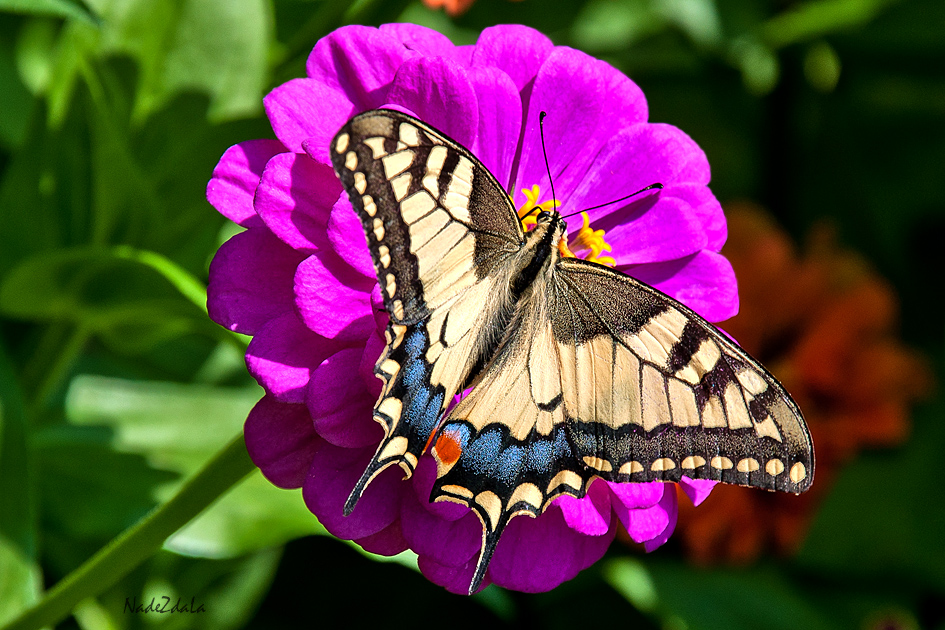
(427, 209)
(658, 393)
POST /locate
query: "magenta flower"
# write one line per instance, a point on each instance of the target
(300, 280)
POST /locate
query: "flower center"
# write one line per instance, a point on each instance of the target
(588, 242)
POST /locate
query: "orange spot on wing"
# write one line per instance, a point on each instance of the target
(447, 449)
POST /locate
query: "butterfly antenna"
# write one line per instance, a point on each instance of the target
(541, 132)
(625, 197)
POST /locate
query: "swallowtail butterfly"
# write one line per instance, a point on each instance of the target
(578, 371)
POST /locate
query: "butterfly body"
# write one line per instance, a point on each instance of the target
(578, 371)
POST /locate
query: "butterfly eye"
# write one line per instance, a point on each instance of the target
(544, 215)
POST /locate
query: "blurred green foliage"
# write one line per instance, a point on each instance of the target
(115, 386)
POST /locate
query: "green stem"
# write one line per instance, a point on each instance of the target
(135, 545)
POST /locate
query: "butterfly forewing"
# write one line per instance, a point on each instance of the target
(438, 245)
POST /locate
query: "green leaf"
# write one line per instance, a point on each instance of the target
(55, 8)
(177, 427)
(96, 290)
(17, 100)
(216, 47)
(20, 574)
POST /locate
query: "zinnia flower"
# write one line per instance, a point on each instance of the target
(824, 323)
(300, 280)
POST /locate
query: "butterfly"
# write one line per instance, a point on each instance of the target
(577, 370)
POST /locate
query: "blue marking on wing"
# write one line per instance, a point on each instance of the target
(481, 454)
(510, 464)
(538, 456)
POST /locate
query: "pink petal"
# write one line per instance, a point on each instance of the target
(330, 480)
(334, 299)
(696, 489)
(372, 351)
(295, 199)
(704, 282)
(387, 542)
(438, 92)
(280, 441)
(634, 158)
(236, 176)
(634, 496)
(251, 281)
(706, 207)
(283, 354)
(305, 109)
(423, 478)
(656, 230)
(420, 39)
(538, 554)
(450, 543)
(358, 61)
(346, 236)
(500, 121)
(579, 121)
(454, 579)
(590, 515)
(518, 51)
(644, 522)
(670, 506)
(340, 405)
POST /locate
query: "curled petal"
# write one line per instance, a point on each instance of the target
(696, 489)
(303, 109)
(646, 522)
(670, 507)
(295, 198)
(590, 515)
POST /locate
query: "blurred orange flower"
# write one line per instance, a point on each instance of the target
(824, 323)
(452, 7)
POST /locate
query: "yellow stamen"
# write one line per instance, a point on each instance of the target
(586, 239)
(531, 202)
(593, 240)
